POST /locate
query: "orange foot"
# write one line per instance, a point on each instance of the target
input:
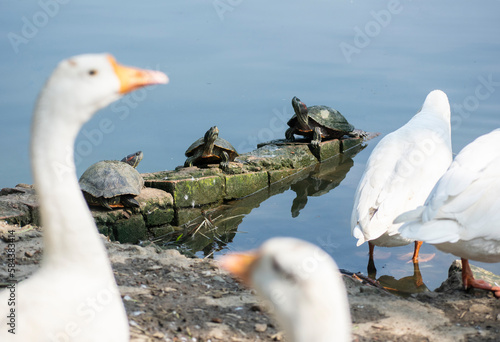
(416, 257)
(469, 281)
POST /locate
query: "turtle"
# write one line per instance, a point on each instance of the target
(210, 149)
(112, 183)
(317, 123)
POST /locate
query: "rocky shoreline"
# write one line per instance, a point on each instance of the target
(169, 297)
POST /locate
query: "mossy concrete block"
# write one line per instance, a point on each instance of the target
(130, 230)
(105, 230)
(189, 186)
(328, 149)
(279, 175)
(154, 198)
(157, 216)
(278, 155)
(350, 143)
(197, 191)
(181, 173)
(238, 186)
(156, 206)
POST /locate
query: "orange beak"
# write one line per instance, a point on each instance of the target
(133, 78)
(240, 265)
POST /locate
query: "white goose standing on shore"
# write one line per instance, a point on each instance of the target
(400, 173)
(462, 213)
(74, 296)
(303, 284)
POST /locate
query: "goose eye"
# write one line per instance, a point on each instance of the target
(92, 72)
(280, 270)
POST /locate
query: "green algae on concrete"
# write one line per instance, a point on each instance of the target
(191, 192)
(279, 175)
(278, 157)
(242, 185)
(328, 149)
(156, 206)
(158, 217)
(130, 230)
(197, 191)
(349, 143)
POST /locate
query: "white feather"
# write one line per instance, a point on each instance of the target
(401, 172)
(74, 296)
(305, 287)
(461, 214)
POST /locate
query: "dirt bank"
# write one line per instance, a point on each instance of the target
(169, 297)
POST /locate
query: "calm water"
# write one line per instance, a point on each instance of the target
(237, 64)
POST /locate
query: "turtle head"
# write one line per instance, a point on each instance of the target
(133, 159)
(301, 111)
(211, 135)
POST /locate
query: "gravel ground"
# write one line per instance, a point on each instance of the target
(169, 297)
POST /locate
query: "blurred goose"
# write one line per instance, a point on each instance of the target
(302, 283)
(462, 213)
(74, 296)
(400, 174)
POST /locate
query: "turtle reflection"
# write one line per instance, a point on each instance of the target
(325, 177)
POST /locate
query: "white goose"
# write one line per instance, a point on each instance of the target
(462, 213)
(74, 296)
(400, 173)
(302, 283)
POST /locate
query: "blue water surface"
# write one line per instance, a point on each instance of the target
(237, 64)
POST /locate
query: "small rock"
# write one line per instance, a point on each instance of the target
(218, 278)
(260, 327)
(479, 308)
(217, 333)
(159, 335)
(278, 336)
(29, 254)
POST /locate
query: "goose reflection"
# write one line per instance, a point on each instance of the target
(404, 286)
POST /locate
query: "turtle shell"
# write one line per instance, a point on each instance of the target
(325, 117)
(111, 178)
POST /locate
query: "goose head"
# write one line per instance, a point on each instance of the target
(302, 286)
(83, 84)
(437, 102)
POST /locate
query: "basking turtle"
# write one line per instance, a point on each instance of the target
(317, 123)
(210, 149)
(112, 183)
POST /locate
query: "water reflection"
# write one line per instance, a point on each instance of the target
(404, 286)
(325, 177)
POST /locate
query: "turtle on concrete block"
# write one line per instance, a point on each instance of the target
(112, 183)
(318, 123)
(210, 149)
